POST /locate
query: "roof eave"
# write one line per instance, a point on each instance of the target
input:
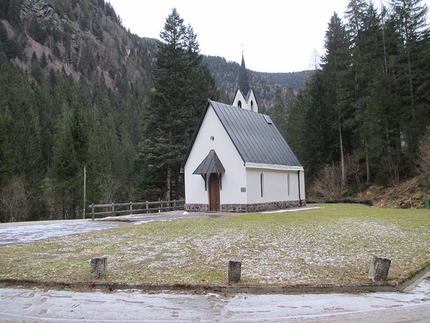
(274, 167)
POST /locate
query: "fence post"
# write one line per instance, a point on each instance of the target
(98, 267)
(113, 209)
(174, 205)
(234, 270)
(147, 207)
(379, 268)
(92, 211)
(131, 207)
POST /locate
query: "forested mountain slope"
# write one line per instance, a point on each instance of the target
(265, 85)
(71, 75)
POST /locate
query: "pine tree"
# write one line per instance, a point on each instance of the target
(310, 131)
(182, 85)
(70, 157)
(366, 39)
(409, 19)
(278, 114)
(336, 63)
(6, 158)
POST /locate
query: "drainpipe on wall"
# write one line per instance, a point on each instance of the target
(300, 193)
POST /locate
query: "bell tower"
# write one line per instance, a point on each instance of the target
(245, 97)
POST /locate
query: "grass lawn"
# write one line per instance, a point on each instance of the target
(330, 245)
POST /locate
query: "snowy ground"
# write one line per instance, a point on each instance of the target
(30, 232)
(24, 232)
(336, 252)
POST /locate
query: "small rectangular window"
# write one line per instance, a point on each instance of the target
(268, 119)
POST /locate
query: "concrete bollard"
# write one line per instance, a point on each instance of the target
(379, 268)
(234, 270)
(98, 267)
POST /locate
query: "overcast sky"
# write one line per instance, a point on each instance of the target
(276, 35)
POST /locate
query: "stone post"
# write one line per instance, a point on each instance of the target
(234, 270)
(379, 268)
(98, 267)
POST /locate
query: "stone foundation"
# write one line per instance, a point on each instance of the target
(196, 207)
(246, 208)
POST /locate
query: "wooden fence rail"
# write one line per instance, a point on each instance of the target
(115, 209)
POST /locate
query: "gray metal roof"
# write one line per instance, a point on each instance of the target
(256, 140)
(211, 164)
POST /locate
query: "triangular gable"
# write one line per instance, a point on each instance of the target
(195, 135)
(246, 99)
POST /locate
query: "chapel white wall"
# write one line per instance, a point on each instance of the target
(232, 180)
(275, 185)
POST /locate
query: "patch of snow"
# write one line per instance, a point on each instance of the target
(30, 233)
(293, 209)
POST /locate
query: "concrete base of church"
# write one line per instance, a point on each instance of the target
(247, 208)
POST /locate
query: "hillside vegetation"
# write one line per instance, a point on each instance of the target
(363, 118)
(74, 93)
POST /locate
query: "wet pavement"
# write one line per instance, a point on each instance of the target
(37, 305)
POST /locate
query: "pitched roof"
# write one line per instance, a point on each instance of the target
(211, 164)
(255, 137)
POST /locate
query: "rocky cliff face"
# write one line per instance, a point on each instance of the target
(43, 11)
(85, 38)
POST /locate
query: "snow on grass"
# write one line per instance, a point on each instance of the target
(330, 245)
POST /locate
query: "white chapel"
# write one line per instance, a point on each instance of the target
(238, 161)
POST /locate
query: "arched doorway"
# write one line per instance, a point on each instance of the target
(214, 192)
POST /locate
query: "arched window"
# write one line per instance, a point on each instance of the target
(261, 184)
(239, 104)
(252, 105)
(288, 184)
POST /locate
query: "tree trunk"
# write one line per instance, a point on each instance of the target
(168, 183)
(342, 157)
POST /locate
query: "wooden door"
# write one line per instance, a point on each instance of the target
(214, 193)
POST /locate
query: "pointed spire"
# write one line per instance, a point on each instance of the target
(243, 79)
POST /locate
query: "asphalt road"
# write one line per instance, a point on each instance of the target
(36, 305)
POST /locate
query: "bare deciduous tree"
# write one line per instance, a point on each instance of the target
(424, 156)
(329, 183)
(14, 200)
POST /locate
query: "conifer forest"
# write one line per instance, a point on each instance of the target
(81, 95)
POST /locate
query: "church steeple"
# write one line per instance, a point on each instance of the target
(245, 96)
(243, 79)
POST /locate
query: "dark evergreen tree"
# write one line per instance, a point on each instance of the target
(409, 19)
(6, 157)
(70, 157)
(182, 86)
(278, 114)
(335, 64)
